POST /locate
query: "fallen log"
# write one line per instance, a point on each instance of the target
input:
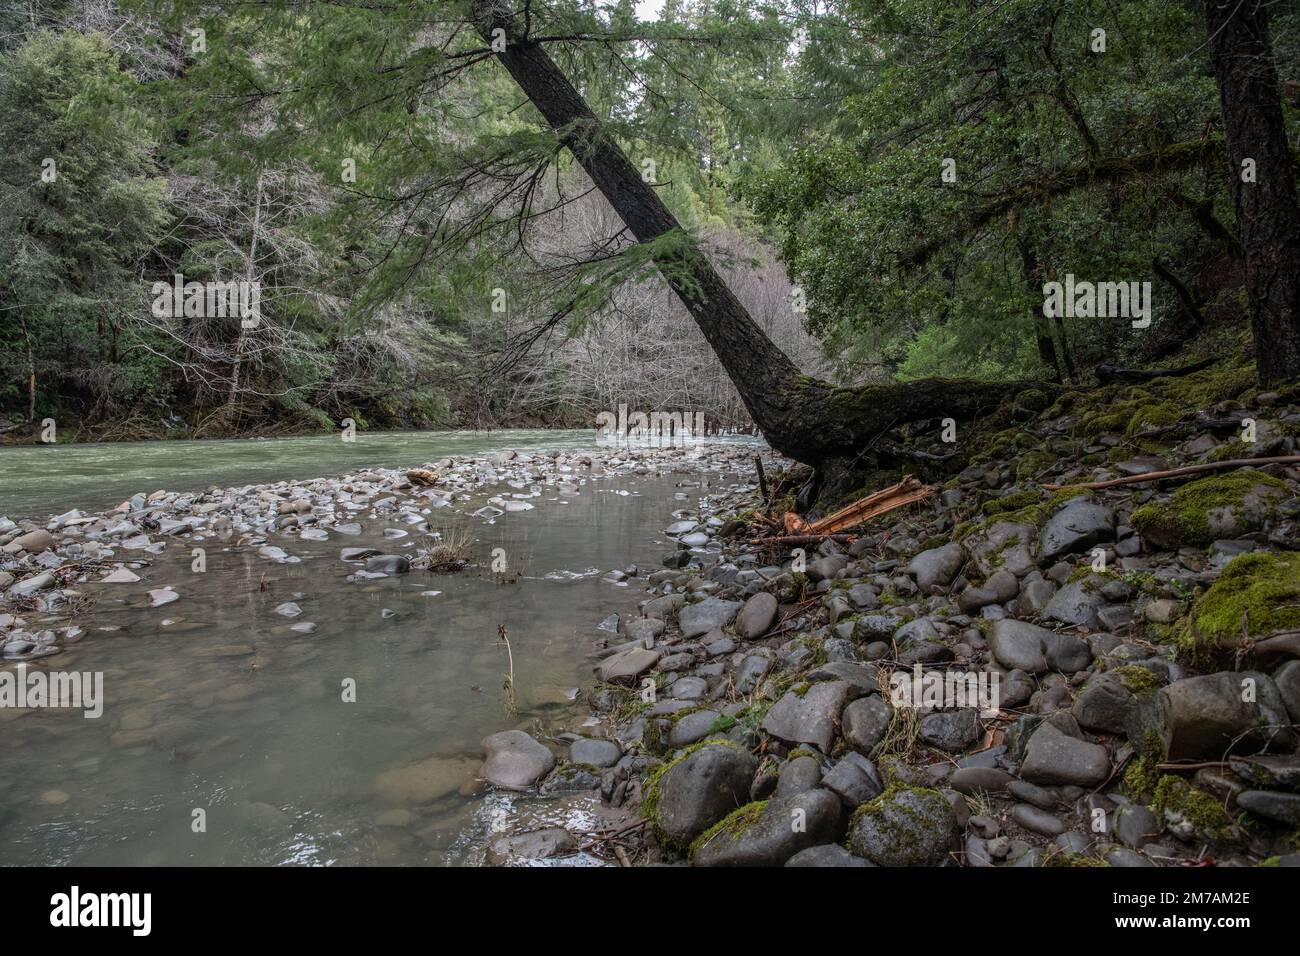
(1180, 472)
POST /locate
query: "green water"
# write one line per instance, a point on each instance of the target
(36, 480)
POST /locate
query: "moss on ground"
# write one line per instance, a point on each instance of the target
(1203, 810)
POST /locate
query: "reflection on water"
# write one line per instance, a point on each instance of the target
(214, 703)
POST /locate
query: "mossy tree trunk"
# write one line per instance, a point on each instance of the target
(1268, 215)
(829, 427)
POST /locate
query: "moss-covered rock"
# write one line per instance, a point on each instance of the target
(1258, 593)
(904, 826)
(1222, 506)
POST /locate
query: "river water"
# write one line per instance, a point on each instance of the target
(225, 736)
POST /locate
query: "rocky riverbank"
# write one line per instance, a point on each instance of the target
(1142, 641)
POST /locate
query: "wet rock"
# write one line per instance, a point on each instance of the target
(626, 665)
(520, 848)
(424, 781)
(756, 616)
(1079, 525)
(515, 761)
(708, 615)
(1205, 718)
(696, 791)
(1053, 757)
(388, 564)
(905, 827)
(763, 834)
(597, 753)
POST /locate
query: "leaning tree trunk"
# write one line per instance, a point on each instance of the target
(832, 428)
(1268, 216)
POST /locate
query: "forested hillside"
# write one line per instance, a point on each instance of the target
(887, 188)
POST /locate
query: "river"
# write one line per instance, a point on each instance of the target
(226, 737)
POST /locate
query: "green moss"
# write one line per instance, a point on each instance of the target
(733, 825)
(1031, 464)
(1259, 591)
(1142, 775)
(1152, 416)
(1021, 499)
(1201, 809)
(895, 831)
(650, 789)
(1185, 518)
(1140, 681)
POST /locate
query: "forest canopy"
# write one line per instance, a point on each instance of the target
(886, 186)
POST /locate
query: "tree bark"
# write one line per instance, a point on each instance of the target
(1268, 215)
(812, 421)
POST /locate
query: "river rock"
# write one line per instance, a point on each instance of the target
(854, 780)
(1282, 807)
(1205, 718)
(597, 753)
(756, 616)
(1077, 602)
(905, 827)
(828, 854)
(810, 717)
(937, 566)
(1053, 757)
(32, 542)
(708, 615)
(1079, 525)
(864, 722)
(543, 844)
(626, 665)
(515, 761)
(765, 835)
(950, 730)
(388, 564)
(425, 780)
(799, 773)
(699, 789)
(1005, 545)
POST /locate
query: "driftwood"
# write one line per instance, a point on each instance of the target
(1180, 472)
(799, 532)
(906, 492)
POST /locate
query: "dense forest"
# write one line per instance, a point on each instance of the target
(889, 188)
